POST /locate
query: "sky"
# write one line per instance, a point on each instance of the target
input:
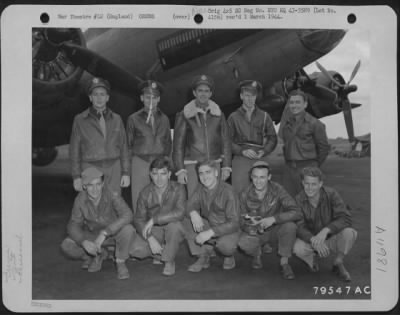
(354, 46)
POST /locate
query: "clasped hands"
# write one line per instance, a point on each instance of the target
(94, 247)
(253, 155)
(318, 243)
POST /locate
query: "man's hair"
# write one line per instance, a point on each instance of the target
(160, 162)
(211, 163)
(298, 92)
(260, 167)
(311, 171)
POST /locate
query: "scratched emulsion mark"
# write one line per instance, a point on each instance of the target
(13, 261)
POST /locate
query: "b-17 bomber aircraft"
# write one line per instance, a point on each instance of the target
(64, 60)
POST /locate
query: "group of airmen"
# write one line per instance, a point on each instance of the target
(305, 217)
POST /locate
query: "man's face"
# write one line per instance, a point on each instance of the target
(160, 177)
(297, 104)
(311, 185)
(260, 178)
(248, 98)
(202, 93)
(208, 176)
(94, 188)
(99, 98)
(150, 100)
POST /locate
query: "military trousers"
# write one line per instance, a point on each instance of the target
(226, 244)
(140, 178)
(121, 241)
(341, 242)
(284, 233)
(169, 236)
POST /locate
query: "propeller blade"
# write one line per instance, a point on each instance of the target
(355, 70)
(320, 91)
(100, 66)
(348, 119)
(327, 74)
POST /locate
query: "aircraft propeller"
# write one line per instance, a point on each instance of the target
(343, 90)
(310, 86)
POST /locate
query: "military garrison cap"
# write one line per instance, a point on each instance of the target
(98, 82)
(151, 87)
(202, 79)
(250, 85)
(90, 174)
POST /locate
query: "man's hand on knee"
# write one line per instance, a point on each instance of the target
(90, 247)
(155, 246)
(204, 236)
(197, 221)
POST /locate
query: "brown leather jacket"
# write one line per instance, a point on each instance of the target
(87, 142)
(145, 142)
(171, 209)
(276, 203)
(259, 131)
(219, 207)
(201, 137)
(305, 140)
(331, 212)
(111, 214)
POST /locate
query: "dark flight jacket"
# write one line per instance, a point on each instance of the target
(306, 140)
(88, 144)
(145, 142)
(331, 212)
(276, 203)
(219, 207)
(259, 131)
(171, 209)
(199, 137)
(112, 214)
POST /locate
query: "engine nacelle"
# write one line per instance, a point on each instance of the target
(53, 73)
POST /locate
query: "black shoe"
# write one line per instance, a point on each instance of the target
(287, 272)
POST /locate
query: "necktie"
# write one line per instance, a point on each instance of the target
(248, 114)
(102, 123)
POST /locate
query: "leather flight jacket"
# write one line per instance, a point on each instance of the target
(146, 141)
(276, 203)
(201, 135)
(88, 143)
(111, 214)
(219, 207)
(331, 212)
(171, 209)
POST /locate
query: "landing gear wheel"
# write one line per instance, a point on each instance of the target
(43, 156)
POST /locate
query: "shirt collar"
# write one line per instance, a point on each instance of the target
(107, 112)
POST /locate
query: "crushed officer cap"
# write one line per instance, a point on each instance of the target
(202, 79)
(90, 174)
(260, 164)
(151, 87)
(250, 85)
(98, 82)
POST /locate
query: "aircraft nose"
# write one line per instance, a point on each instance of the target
(321, 41)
